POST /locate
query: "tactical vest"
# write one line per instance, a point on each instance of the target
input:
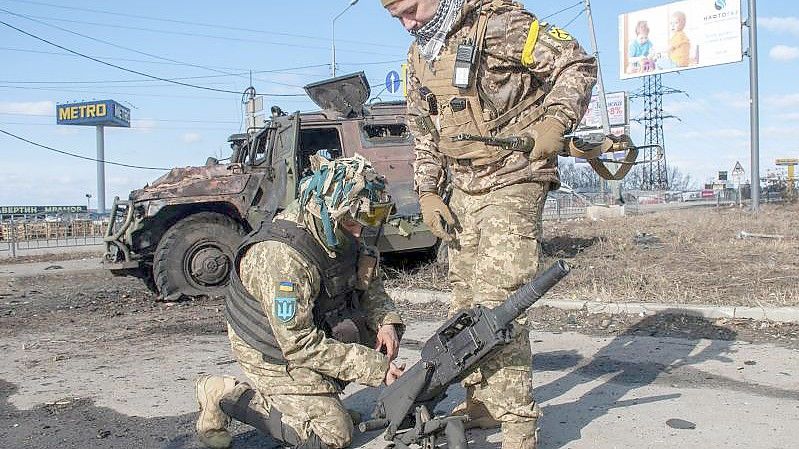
(462, 111)
(336, 309)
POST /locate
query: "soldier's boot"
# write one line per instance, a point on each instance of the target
(479, 415)
(212, 422)
(241, 404)
(520, 435)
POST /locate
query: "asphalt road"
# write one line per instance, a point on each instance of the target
(92, 361)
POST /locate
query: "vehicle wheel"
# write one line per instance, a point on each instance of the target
(195, 255)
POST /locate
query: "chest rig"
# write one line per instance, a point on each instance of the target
(454, 110)
(336, 309)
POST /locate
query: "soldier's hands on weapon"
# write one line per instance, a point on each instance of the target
(548, 136)
(387, 339)
(433, 212)
(393, 373)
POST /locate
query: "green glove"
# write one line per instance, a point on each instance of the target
(433, 212)
(548, 135)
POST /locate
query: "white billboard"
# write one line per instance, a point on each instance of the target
(617, 111)
(679, 36)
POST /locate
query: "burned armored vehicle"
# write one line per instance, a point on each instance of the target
(179, 233)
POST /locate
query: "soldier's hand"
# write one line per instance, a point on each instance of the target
(393, 373)
(434, 211)
(548, 135)
(387, 338)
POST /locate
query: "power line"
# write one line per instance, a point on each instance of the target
(574, 18)
(142, 118)
(183, 33)
(562, 10)
(67, 153)
(215, 26)
(136, 71)
(111, 58)
(111, 43)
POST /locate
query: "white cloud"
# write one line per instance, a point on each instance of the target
(783, 101)
(788, 25)
(192, 137)
(28, 107)
(144, 125)
(784, 53)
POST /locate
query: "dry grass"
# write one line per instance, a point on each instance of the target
(685, 256)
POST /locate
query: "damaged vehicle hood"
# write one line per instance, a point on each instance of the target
(214, 180)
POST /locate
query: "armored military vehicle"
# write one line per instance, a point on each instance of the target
(179, 232)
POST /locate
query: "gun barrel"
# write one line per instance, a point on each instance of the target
(373, 424)
(529, 293)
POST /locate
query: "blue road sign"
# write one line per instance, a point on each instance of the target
(393, 82)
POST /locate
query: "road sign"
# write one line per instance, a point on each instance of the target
(393, 82)
(738, 170)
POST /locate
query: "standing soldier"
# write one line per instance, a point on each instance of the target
(477, 69)
(305, 300)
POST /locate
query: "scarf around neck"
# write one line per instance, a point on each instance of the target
(431, 36)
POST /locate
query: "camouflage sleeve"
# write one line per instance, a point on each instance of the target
(428, 166)
(277, 274)
(552, 55)
(379, 306)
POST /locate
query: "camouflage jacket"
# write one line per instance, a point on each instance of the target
(314, 360)
(520, 57)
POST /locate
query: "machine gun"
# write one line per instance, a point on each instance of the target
(452, 353)
(588, 146)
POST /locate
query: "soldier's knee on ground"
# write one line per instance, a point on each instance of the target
(335, 430)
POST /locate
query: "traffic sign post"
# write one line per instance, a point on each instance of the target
(393, 82)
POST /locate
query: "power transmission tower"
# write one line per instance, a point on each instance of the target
(655, 174)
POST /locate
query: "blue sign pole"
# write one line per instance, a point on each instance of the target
(100, 169)
(393, 82)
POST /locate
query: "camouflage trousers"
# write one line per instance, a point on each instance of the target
(495, 251)
(308, 401)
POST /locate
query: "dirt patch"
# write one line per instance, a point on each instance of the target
(51, 257)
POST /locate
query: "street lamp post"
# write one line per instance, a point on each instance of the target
(333, 35)
(88, 202)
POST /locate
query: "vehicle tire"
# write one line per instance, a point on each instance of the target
(194, 256)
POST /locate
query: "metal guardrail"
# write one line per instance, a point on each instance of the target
(26, 232)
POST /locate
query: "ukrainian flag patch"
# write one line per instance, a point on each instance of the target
(285, 286)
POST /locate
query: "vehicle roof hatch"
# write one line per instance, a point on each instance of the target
(345, 95)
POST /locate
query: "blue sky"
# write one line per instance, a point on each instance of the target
(287, 44)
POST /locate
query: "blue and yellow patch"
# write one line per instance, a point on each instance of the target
(285, 301)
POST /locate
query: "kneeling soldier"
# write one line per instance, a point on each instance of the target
(305, 309)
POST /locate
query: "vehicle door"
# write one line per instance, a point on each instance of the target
(276, 155)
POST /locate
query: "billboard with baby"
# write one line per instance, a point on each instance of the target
(679, 36)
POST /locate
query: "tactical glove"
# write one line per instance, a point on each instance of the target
(548, 135)
(433, 211)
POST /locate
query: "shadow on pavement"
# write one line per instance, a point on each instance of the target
(622, 370)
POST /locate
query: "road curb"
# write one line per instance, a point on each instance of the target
(776, 314)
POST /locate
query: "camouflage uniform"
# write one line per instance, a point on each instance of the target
(498, 205)
(304, 310)
(306, 389)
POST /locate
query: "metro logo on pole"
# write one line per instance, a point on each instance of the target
(93, 113)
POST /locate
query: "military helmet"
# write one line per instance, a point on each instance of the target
(388, 2)
(344, 188)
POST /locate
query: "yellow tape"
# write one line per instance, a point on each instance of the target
(528, 54)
